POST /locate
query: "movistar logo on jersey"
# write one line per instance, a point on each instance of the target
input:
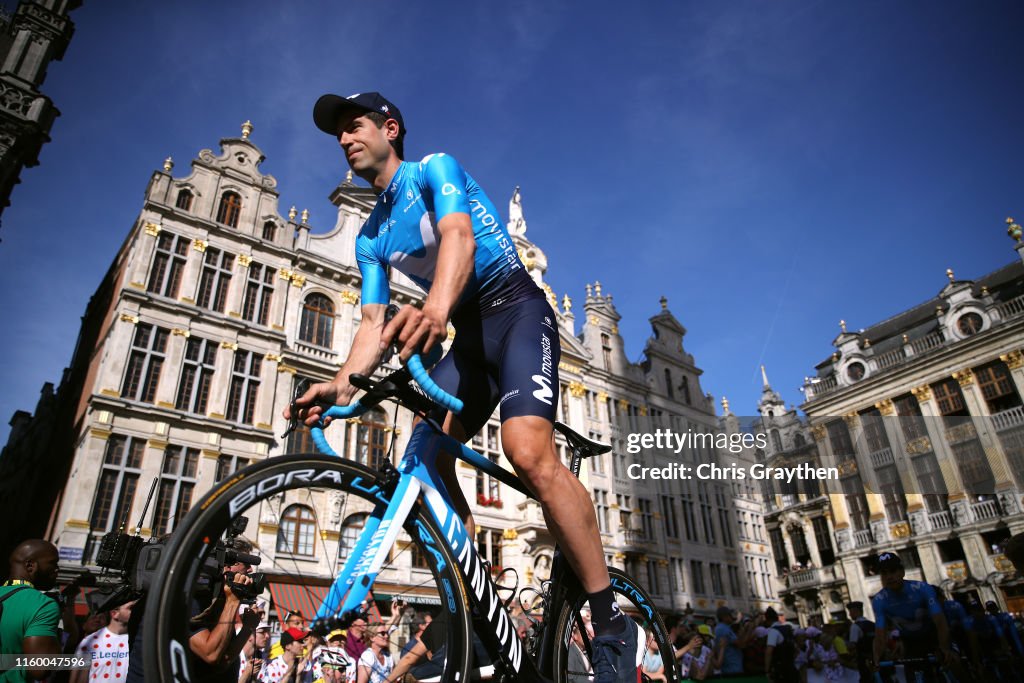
(543, 380)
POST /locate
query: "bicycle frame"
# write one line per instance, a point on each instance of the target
(418, 475)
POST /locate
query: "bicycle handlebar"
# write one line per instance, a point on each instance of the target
(415, 367)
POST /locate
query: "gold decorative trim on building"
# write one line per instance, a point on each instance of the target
(961, 433)
(964, 377)
(619, 556)
(623, 404)
(510, 534)
(1002, 563)
(885, 407)
(643, 411)
(234, 314)
(216, 416)
(957, 571)
(276, 358)
(244, 260)
(178, 332)
(569, 367)
(330, 535)
(577, 389)
(851, 419)
(158, 444)
(701, 602)
(923, 394)
(283, 367)
(602, 396)
(919, 445)
(77, 524)
(151, 229)
(187, 300)
(101, 434)
(593, 320)
(110, 392)
(229, 345)
(900, 530)
(818, 432)
(847, 467)
(165, 404)
(268, 528)
(129, 318)
(349, 297)
(298, 280)
(277, 328)
(615, 329)
(285, 274)
(210, 453)
(662, 563)
(264, 425)
(1014, 360)
(200, 245)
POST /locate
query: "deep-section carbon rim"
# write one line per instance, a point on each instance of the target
(288, 478)
(634, 601)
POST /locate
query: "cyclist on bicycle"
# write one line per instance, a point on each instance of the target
(911, 607)
(433, 223)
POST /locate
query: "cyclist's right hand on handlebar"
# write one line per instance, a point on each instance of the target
(311, 405)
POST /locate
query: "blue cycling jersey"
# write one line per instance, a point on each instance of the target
(402, 232)
(910, 609)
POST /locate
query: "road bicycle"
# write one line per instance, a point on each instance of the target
(407, 509)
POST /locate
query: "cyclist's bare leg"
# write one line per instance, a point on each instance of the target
(446, 468)
(529, 445)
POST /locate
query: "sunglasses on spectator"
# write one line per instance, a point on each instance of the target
(382, 634)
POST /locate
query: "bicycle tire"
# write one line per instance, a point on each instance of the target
(166, 653)
(634, 601)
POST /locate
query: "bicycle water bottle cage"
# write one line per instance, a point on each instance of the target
(513, 589)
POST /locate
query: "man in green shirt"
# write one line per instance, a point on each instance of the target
(28, 624)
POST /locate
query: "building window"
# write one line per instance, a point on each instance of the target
(488, 544)
(949, 399)
(371, 438)
(625, 505)
(297, 532)
(145, 362)
(668, 513)
(606, 351)
(269, 231)
(716, 578)
(196, 375)
(929, 478)
(684, 386)
(734, 581)
(856, 501)
(488, 489)
(229, 210)
(678, 579)
(776, 440)
(350, 530)
(689, 519)
(228, 465)
(601, 503)
(669, 389)
(779, 550)
(839, 437)
(245, 385)
(597, 462)
(317, 322)
(168, 264)
(177, 481)
(184, 201)
(893, 496)
(823, 539)
(652, 577)
(855, 371)
(216, 277)
(115, 491)
(997, 387)
(646, 519)
(969, 324)
(697, 576)
(911, 421)
(259, 291)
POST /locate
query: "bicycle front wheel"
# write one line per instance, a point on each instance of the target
(572, 651)
(303, 516)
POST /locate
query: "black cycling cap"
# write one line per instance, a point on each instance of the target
(329, 108)
(889, 560)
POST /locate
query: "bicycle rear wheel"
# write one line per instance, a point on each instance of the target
(300, 511)
(567, 664)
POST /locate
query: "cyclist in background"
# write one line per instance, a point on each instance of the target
(911, 607)
(433, 223)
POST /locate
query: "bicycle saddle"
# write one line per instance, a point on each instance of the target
(579, 442)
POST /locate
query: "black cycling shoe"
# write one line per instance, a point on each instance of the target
(615, 657)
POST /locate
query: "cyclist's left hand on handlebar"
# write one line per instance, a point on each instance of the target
(310, 406)
(414, 330)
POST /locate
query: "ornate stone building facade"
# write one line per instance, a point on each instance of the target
(37, 33)
(217, 306)
(922, 414)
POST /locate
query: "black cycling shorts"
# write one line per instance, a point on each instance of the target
(508, 357)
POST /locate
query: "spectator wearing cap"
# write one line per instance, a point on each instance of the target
(729, 644)
(698, 659)
(287, 667)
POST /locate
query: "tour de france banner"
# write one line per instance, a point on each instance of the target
(940, 465)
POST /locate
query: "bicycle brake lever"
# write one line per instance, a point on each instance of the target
(389, 315)
(293, 422)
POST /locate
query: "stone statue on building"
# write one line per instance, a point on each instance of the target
(516, 222)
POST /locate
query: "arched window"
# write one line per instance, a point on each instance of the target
(269, 230)
(371, 438)
(776, 441)
(350, 530)
(297, 532)
(229, 209)
(668, 383)
(798, 440)
(184, 201)
(317, 323)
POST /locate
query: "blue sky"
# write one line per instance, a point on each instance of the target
(770, 167)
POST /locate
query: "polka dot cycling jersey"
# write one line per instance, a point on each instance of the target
(109, 654)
